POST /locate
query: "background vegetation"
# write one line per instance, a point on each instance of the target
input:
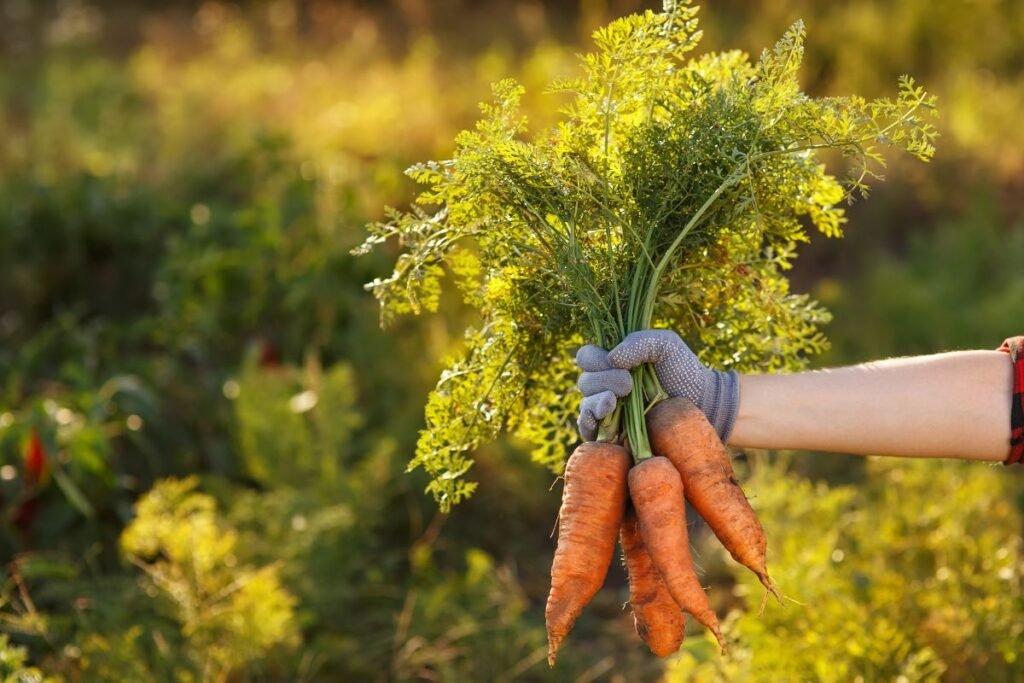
(203, 431)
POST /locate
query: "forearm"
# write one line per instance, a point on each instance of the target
(954, 405)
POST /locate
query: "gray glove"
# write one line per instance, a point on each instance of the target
(606, 377)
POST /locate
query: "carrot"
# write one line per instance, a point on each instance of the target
(656, 616)
(680, 432)
(593, 503)
(657, 493)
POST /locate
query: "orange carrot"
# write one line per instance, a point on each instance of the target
(656, 616)
(593, 502)
(680, 432)
(657, 493)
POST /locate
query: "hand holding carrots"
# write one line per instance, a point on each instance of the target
(606, 376)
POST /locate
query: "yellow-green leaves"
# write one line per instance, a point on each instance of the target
(674, 190)
(546, 419)
(912, 573)
(231, 613)
(468, 407)
(14, 667)
(502, 119)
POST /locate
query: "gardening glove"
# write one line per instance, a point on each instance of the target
(606, 376)
(601, 385)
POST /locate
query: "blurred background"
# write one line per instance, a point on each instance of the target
(203, 432)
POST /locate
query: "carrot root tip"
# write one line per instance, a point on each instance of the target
(721, 640)
(767, 582)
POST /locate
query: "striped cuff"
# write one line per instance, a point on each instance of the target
(1014, 346)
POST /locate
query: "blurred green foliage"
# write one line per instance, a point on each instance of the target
(185, 351)
(12, 665)
(912, 574)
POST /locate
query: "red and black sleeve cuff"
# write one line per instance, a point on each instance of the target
(1015, 347)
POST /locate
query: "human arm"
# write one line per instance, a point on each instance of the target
(944, 405)
(947, 405)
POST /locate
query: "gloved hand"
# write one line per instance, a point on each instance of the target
(606, 377)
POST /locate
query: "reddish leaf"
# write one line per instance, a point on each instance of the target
(35, 459)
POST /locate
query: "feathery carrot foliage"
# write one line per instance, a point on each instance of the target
(673, 192)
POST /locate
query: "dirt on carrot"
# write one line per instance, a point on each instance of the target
(657, 494)
(656, 616)
(681, 433)
(593, 503)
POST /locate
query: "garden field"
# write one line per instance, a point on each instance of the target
(205, 431)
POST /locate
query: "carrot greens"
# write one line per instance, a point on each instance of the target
(673, 193)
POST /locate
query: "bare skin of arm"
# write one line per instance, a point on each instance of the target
(947, 405)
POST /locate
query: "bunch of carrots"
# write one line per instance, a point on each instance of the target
(608, 497)
(672, 193)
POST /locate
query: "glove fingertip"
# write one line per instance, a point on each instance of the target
(624, 357)
(604, 403)
(587, 431)
(592, 358)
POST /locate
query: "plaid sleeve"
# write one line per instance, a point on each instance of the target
(1014, 346)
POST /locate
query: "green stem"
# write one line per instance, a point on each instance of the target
(647, 306)
(654, 391)
(643, 291)
(609, 428)
(636, 424)
(647, 392)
